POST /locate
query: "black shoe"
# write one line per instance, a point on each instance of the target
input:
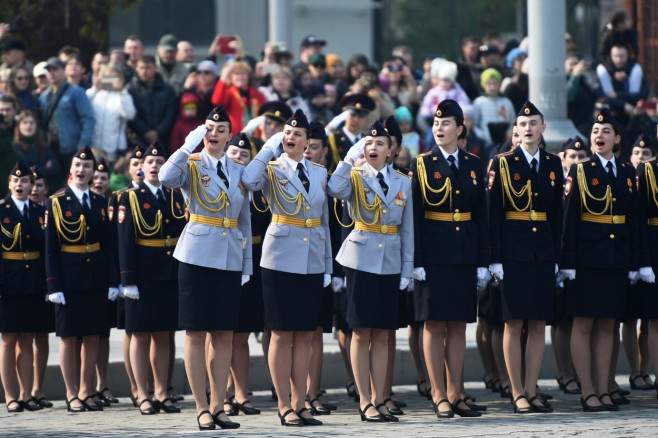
(19, 406)
(247, 410)
(488, 384)
(608, 406)
(566, 384)
(387, 416)
(590, 408)
(422, 392)
(296, 422)
(31, 404)
(99, 401)
(171, 392)
(443, 414)
(168, 409)
(642, 387)
(91, 407)
(353, 393)
(110, 399)
(318, 409)
(495, 385)
(150, 410)
(544, 395)
(308, 421)
(505, 392)
(228, 424)
(518, 410)
(560, 382)
(470, 402)
(44, 402)
(232, 410)
(274, 396)
(74, 408)
(468, 412)
(620, 399)
(205, 426)
(399, 403)
(379, 418)
(396, 410)
(329, 406)
(134, 400)
(543, 408)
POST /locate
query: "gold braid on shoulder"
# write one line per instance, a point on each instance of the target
(253, 201)
(15, 236)
(425, 186)
(361, 202)
(509, 192)
(585, 194)
(277, 191)
(197, 188)
(63, 226)
(173, 212)
(141, 227)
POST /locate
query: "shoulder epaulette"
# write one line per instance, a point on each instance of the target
(584, 160)
(58, 194)
(273, 163)
(472, 154)
(2, 201)
(317, 164)
(235, 160)
(504, 154)
(404, 174)
(355, 169)
(552, 155)
(195, 157)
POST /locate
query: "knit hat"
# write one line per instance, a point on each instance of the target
(448, 71)
(490, 73)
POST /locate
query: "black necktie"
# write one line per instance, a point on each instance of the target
(220, 173)
(380, 176)
(611, 173)
(85, 205)
(302, 176)
(533, 166)
(161, 197)
(25, 209)
(453, 166)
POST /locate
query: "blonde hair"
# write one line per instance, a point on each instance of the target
(112, 68)
(238, 67)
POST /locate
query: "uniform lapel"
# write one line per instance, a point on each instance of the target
(394, 185)
(464, 173)
(212, 171)
(314, 180)
(294, 178)
(370, 178)
(233, 176)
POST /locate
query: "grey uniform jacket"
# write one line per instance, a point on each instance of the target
(211, 246)
(288, 248)
(373, 252)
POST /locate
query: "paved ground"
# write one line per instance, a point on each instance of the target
(640, 419)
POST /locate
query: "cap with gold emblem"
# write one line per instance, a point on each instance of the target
(392, 127)
(37, 172)
(138, 152)
(643, 141)
(357, 103)
(218, 114)
(529, 109)
(21, 169)
(450, 108)
(298, 120)
(101, 165)
(377, 130)
(276, 110)
(316, 131)
(576, 144)
(605, 116)
(156, 149)
(85, 153)
(240, 140)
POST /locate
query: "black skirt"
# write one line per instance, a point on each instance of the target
(83, 314)
(449, 293)
(373, 301)
(560, 313)
(156, 310)
(529, 291)
(326, 310)
(26, 314)
(598, 293)
(293, 302)
(252, 316)
(635, 299)
(646, 299)
(121, 313)
(208, 299)
(340, 311)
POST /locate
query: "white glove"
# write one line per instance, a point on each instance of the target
(557, 269)
(253, 125)
(122, 290)
(337, 284)
(634, 276)
(356, 150)
(336, 121)
(194, 138)
(57, 298)
(406, 283)
(419, 273)
(274, 142)
(647, 275)
(245, 279)
(326, 280)
(483, 276)
(496, 270)
(131, 292)
(113, 293)
(567, 274)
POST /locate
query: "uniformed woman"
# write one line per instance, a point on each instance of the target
(525, 187)
(214, 252)
(150, 219)
(600, 253)
(80, 264)
(452, 252)
(296, 259)
(378, 260)
(22, 307)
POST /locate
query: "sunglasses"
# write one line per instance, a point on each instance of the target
(205, 72)
(320, 65)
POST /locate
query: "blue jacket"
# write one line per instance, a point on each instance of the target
(74, 115)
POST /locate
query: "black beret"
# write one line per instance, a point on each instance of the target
(377, 130)
(393, 128)
(138, 152)
(276, 110)
(85, 153)
(605, 116)
(357, 102)
(643, 141)
(101, 165)
(317, 131)
(218, 114)
(529, 109)
(449, 108)
(240, 140)
(37, 172)
(156, 149)
(21, 169)
(577, 144)
(298, 120)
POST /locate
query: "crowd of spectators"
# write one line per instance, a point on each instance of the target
(129, 97)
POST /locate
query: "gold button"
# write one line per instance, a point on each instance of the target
(457, 192)
(88, 260)
(614, 199)
(166, 221)
(27, 236)
(456, 216)
(305, 239)
(228, 204)
(380, 245)
(534, 230)
(457, 228)
(27, 266)
(308, 208)
(536, 194)
(224, 233)
(88, 247)
(456, 210)
(168, 253)
(383, 211)
(612, 236)
(226, 222)
(308, 223)
(615, 219)
(533, 215)
(88, 228)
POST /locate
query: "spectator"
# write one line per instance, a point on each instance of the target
(493, 113)
(268, 64)
(404, 52)
(155, 101)
(185, 54)
(120, 177)
(336, 71)
(235, 93)
(514, 63)
(355, 67)
(310, 45)
(99, 60)
(134, 48)
(570, 43)
(66, 52)
(618, 31)
(75, 71)
(403, 159)
(66, 116)
(318, 108)
(13, 53)
(113, 108)
(368, 84)
(29, 142)
(489, 58)
(410, 138)
(281, 89)
(20, 87)
(172, 71)
(582, 92)
(4, 80)
(474, 144)
(303, 80)
(443, 75)
(402, 88)
(470, 54)
(40, 75)
(202, 82)
(8, 155)
(317, 65)
(188, 121)
(517, 89)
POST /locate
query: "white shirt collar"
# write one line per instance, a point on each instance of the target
(134, 183)
(153, 188)
(78, 194)
(353, 138)
(293, 164)
(384, 171)
(454, 154)
(530, 157)
(20, 204)
(604, 163)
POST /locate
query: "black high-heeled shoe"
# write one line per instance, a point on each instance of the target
(205, 426)
(18, 408)
(353, 393)
(171, 392)
(387, 415)
(70, 408)
(247, 410)
(133, 399)
(422, 392)
(106, 399)
(228, 424)
(150, 410)
(168, 409)
(642, 387)
(443, 414)
(590, 408)
(44, 402)
(396, 410)
(620, 399)
(297, 422)
(320, 409)
(329, 406)
(468, 412)
(470, 402)
(231, 411)
(517, 409)
(308, 421)
(495, 387)
(608, 406)
(379, 418)
(30, 407)
(543, 408)
(99, 401)
(91, 407)
(505, 392)
(565, 387)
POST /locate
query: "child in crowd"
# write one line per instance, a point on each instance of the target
(491, 109)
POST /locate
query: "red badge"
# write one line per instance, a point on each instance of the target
(628, 180)
(517, 177)
(552, 176)
(146, 206)
(492, 176)
(637, 182)
(68, 214)
(6, 220)
(567, 186)
(122, 214)
(437, 175)
(595, 182)
(45, 221)
(473, 174)
(110, 212)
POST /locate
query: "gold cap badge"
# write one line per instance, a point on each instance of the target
(215, 117)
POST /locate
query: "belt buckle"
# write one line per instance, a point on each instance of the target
(615, 219)
(226, 222)
(25, 255)
(167, 241)
(88, 248)
(533, 215)
(384, 229)
(456, 216)
(308, 223)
